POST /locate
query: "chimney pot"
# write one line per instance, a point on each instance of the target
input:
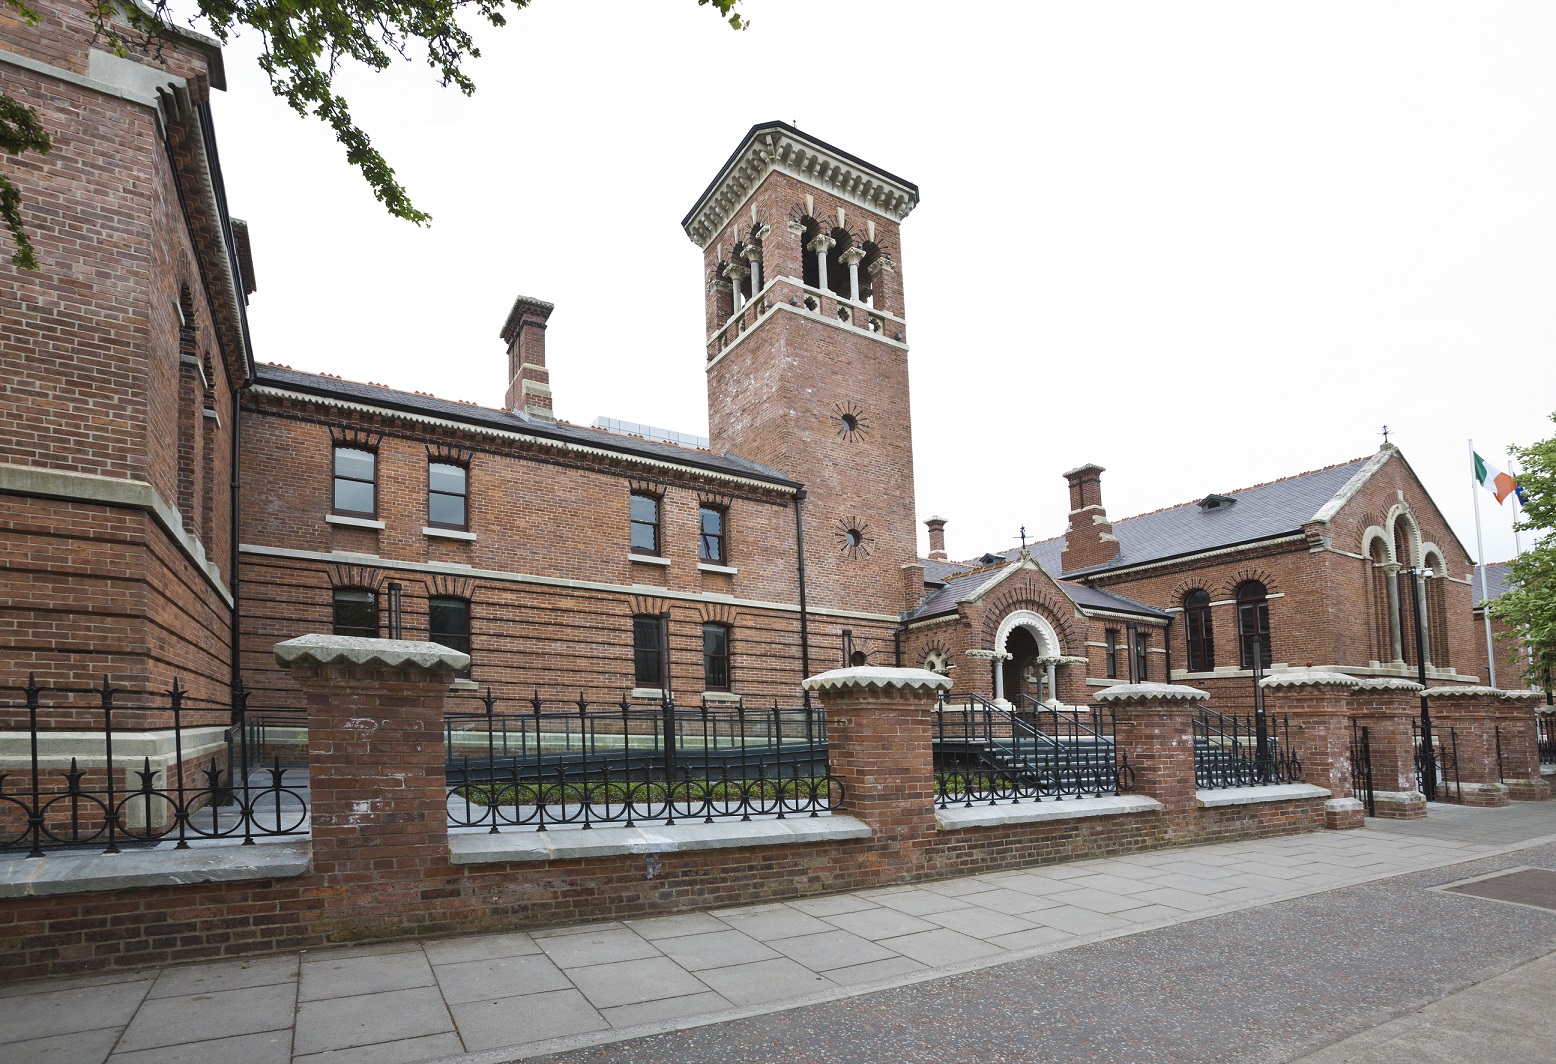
(936, 539)
(1089, 540)
(529, 381)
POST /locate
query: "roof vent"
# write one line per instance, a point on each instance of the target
(991, 559)
(1216, 502)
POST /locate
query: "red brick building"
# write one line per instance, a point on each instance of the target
(121, 358)
(567, 560)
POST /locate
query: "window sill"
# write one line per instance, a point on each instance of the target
(719, 696)
(354, 522)
(709, 567)
(448, 533)
(648, 692)
(648, 559)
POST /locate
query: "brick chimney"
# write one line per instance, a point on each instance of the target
(936, 539)
(1089, 540)
(529, 382)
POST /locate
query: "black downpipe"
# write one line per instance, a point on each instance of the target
(232, 549)
(799, 549)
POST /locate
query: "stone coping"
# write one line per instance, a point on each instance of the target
(1284, 792)
(86, 873)
(1467, 691)
(1308, 678)
(1343, 805)
(988, 816)
(570, 843)
(1386, 683)
(357, 650)
(875, 678)
(1151, 692)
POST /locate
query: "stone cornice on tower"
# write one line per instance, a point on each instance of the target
(779, 146)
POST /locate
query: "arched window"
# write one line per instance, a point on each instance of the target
(1196, 622)
(1253, 623)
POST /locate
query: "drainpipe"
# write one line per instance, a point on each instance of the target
(799, 549)
(232, 547)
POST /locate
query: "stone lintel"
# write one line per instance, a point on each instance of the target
(863, 678)
(357, 650)
(1151, 692)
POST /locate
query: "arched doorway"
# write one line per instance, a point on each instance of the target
(1022, 673)
(1034, 651)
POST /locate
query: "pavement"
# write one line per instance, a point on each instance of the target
(1323, 943)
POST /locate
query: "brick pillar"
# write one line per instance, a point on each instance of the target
(1464, 720)
(1318, 712)
(1515, 712)
(1154, 728)
(376, 779)
(1388, 707)
(880, 732)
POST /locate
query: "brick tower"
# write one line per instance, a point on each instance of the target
(807, 355)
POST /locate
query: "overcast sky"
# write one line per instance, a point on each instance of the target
(1205, 245)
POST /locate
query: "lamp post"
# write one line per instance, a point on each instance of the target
(1428, 755)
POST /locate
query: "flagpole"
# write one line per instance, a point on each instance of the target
(1480, 553)
(1518, 541)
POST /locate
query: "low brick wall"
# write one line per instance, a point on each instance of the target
(381, 866)
(132, 928)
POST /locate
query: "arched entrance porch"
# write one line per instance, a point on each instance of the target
(1030, 650)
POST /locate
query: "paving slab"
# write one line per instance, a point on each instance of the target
(387, 1016)
(632, 982)
(174, 1021)
(266, 1047)
(716, 949)
(610, 944)
(403, 1051)
(480, 947)
(531, 1018)
(499, 977)
(880, 922)
(46, 1012)
(84, 1047)
(941, 947)
(766, 982)
(224, 975)
(334, 975)
(829, 949)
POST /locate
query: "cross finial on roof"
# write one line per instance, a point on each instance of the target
(1023, 537)
(1385, 434)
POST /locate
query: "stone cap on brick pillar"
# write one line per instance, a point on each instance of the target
(1151, 692)
(1308, 678)
(1467, 691)
(1520, 695)
(1386, 683)
(357, 650)
(873, 678)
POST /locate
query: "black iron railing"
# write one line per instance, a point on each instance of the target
(1545, 732)
(1438, 761)
(1242, 751)
(1361, 767)
(177, 776)
(543, 764)
(988, 753)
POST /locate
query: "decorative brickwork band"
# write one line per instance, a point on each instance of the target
(1317, 709)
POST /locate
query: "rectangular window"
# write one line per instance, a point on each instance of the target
(712, 522)
(448, 623)
(1112, 660)
(645, 524)
(715, 657)
(356, 482)
(447, 485)
(647, 652)
(1142, 641)
(356, 612)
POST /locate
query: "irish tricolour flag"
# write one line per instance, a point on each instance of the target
(1494, 480)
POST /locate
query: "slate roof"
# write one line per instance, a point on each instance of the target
(943, 599)
(1497, 574)
(468, 413)
(1263, 511)
(1260, 512)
